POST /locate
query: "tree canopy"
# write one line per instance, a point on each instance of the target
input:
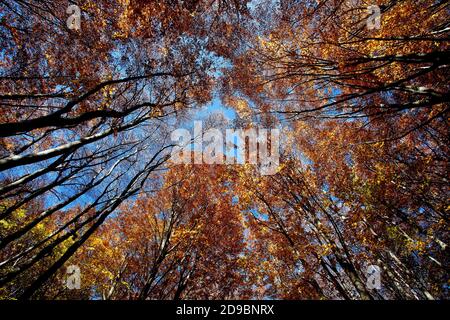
(87, 178)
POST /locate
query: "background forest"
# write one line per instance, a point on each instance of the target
(87, 180)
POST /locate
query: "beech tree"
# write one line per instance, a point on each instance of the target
(86, 116)
(85, 113)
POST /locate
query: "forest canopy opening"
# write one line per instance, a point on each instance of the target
(351, 202)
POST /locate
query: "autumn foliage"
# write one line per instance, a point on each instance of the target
(86, 177)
